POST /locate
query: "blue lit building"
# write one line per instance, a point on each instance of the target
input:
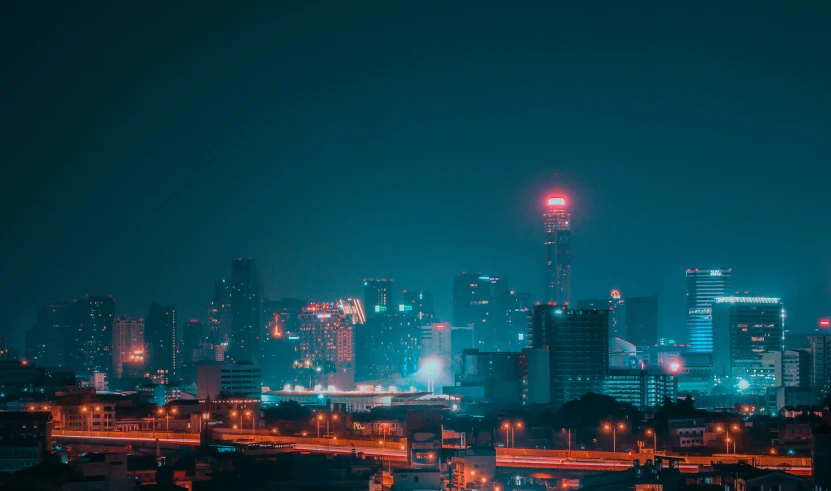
(703, 286)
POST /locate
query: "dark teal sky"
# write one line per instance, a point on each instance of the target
(146, 145)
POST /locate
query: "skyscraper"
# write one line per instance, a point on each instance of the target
(246, 311)
(160, 335)
(617, 311)
(326, 343)
(820, 365)
(481, 302)
(219, 314)
(703, 286)
(378, 296)
(557, 271)
(92, 336)
(578, 346)
(642, 320)
(128, 342)
(744, 329)
(420, 303)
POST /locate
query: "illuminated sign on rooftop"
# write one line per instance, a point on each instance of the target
(768, 300)
(556, 201)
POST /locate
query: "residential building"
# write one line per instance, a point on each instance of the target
(90, 341)
(128, 342)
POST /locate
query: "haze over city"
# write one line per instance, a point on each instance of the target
(412, 143)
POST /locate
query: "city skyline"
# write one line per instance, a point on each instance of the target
(426, 159)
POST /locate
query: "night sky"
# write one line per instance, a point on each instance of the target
(146, 145)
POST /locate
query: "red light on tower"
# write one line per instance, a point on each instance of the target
(825, 323)
(556, 201)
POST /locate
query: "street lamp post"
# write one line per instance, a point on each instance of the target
(726, 431)
(614, 427)
(250, 414)
(511, 425)
(651, 432)
(319, 418)
(84, 411)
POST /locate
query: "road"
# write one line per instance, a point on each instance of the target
(508, 461)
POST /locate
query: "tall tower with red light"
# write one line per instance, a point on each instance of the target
(557, 272)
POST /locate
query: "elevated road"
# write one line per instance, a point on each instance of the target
(517, 458)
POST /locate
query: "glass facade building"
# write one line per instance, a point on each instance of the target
(578, 346)
(703, 286)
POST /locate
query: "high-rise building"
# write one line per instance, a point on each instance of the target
(387, 346)
(420, 303)
(326, 343)
(557, 271)
(642, 320)
(644, 389)
(820, 365)
(246, 311)
(482, 303)
(578, 345)
(745, 328)
(128, 342)
(378, 297)
(160, 333)
(517, 321)
(55, 325)
(35, 346)
(91, 336)
(796, 368)
(703, 286)
(617, 311)
(219, 326)
(192, 339)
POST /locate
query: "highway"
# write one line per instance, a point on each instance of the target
(396, 454)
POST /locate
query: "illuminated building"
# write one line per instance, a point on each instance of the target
(160, 337)
(481, 302)
(703, 286)
(219, 314)
(387, 346)
(617, 311)
(281, 346)
(644, 389)
(642, 320)
(557, 272)
(820, 365)
(92, 337)
(421, 304)
(128, 338)
(578, 346)
(378, 296)
(246, 311)
(745, 328)
(326, 342)
(517, 321)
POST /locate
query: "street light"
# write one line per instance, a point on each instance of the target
(85, 410)
(613, 427)
(651, 432)
(98, 409)
(511, 425)
(250, 414)
(736, 428)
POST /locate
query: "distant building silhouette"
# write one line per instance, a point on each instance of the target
(578, 345)
(160, 333)
(90, 342)
(378, 296)
(481, 302)
(642, 320)
(246, 311)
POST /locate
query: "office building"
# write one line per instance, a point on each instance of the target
(219, 314)
(820, 349)
(91, 337)
(481, 302)
(703, 286)
(642, 320)
(745, 328)
(161, 338)
(387, 346)
(246, 311)
(233, 379)
(796, 368)
(644, 389)
(578, 346)
(128, 342)
(421, 305)
(557, 257)
(378, 297)
(492, 379)
(617, 311)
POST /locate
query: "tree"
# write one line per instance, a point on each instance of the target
(592, 410)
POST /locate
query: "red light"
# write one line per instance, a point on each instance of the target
(556, 201)
(674, 367)
(825, 323)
